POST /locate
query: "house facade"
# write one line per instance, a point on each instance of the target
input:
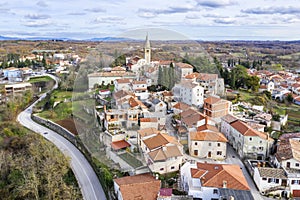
(207, 144)
(216, 108)
(206, 181)
(248, 142)
(270, 180)
(190, 92)
(183, 69)
(163, 153)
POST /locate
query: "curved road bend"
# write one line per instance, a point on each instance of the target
(88, 182)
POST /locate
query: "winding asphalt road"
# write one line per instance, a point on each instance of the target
(88, 182)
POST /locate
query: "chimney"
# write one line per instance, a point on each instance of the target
(264, 164)
(224, 184)
(258, 164)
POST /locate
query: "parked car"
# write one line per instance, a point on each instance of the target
(170, 111)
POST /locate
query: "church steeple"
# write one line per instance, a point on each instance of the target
(147, 50)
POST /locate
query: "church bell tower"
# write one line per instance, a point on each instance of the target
(147, 50)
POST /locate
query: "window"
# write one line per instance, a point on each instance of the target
(196, 143)
(215, 191)
(219, 144)
(250, 139)
(261, 148)
(219, 153)
(295, 182)
(209, 144)
(273, 180)
(172, 167)
(196, 152)
(161, 169)
(264, 179)
(296, 164)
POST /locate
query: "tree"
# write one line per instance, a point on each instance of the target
(166, 77)
(238, 76)
(289, 98)
(252, 82)
(172, 76)
(160, 76)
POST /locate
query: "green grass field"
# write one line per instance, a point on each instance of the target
(40, 79)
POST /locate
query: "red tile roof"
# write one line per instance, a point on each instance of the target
(120, 144)
(139, 187)
(181, 106)
(212, 100)
(207, 136)
(246, 130)
(160, 140)
(217, 174)
(183, 65)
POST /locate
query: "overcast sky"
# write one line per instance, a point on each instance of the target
(195, 19)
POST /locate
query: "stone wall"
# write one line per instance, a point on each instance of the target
(56, 128)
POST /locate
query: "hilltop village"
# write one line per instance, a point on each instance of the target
(177, 122)
(172, 129)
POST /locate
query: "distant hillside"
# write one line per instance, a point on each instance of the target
(117, 39)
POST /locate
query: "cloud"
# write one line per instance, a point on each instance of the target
(37, 16)
(150, 13)
(77, 13)
(42, 4)
(212, 15)
(216, 3)
(108, 20)
(225, 21)
(272, 10)
(39, 23)
(193, 16)
(95, 10)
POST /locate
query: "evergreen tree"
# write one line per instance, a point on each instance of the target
(160, 76)
(172, 76)
(166, 77)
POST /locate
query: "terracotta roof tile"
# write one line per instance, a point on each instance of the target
(192, 75)
(217, 174)
(181, 106)
(197, 173)
(139, 187)
(229, 118)
(183, 65)
(148, 120)
(148, 131)
(120, 144)
(207, 77)
(123, 80)
(246, 130)
(207, 136)
(120, 94)
(212, 100)
(160, 140)
(165, 153)
(138, 82)
(207, 127)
